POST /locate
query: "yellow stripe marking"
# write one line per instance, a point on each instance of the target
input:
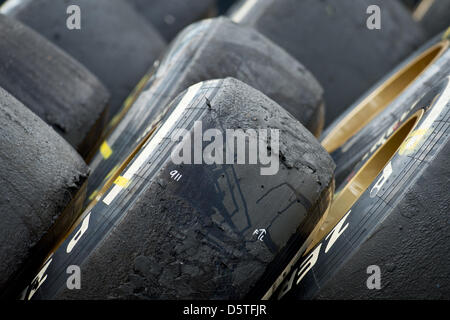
(446, 34)
(105, 150)
(93, 194)
(412, 142)
(122, 181)
(129, 101)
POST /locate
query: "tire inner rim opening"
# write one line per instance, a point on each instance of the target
(381, 97)
(362, 179)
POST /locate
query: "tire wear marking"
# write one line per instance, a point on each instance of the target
(411, 143)
(105, 150)
(155, 141)
(93, 195)
(127, 133)
(122, 182)
(107, 219)
(129, 101)
(416, 137)
(157, 91)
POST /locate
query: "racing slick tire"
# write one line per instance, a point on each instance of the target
(114, 42)
(169, 229)
(54, 86)
(210, 49)
(332, 40)
(169, 17)
(41, 190)
(387, 231)
(363, 124)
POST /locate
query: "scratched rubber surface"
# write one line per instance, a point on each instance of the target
(400, 224)
(351, 152)
(170, 16)
(332, 40)
(191, 235)
(39, 174)
(52, 84)
(212, 49)
(115, 43)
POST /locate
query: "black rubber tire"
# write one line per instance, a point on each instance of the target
(115, 42)
(353, 150)
(170, 16)
(410, 4)
(212, 49)
(40, 174)
(400, 223)
(331, 39)
(193, 236)
(435, 18)
(52, 84)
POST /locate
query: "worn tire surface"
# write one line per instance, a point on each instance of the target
(52, 84)
(399, 223)
(349, 153)
(331, 39)
(186, 231)
(115, 42)
(170, 16)
(39, 175)
(212, 49)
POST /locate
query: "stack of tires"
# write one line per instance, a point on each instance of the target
(214, 177)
